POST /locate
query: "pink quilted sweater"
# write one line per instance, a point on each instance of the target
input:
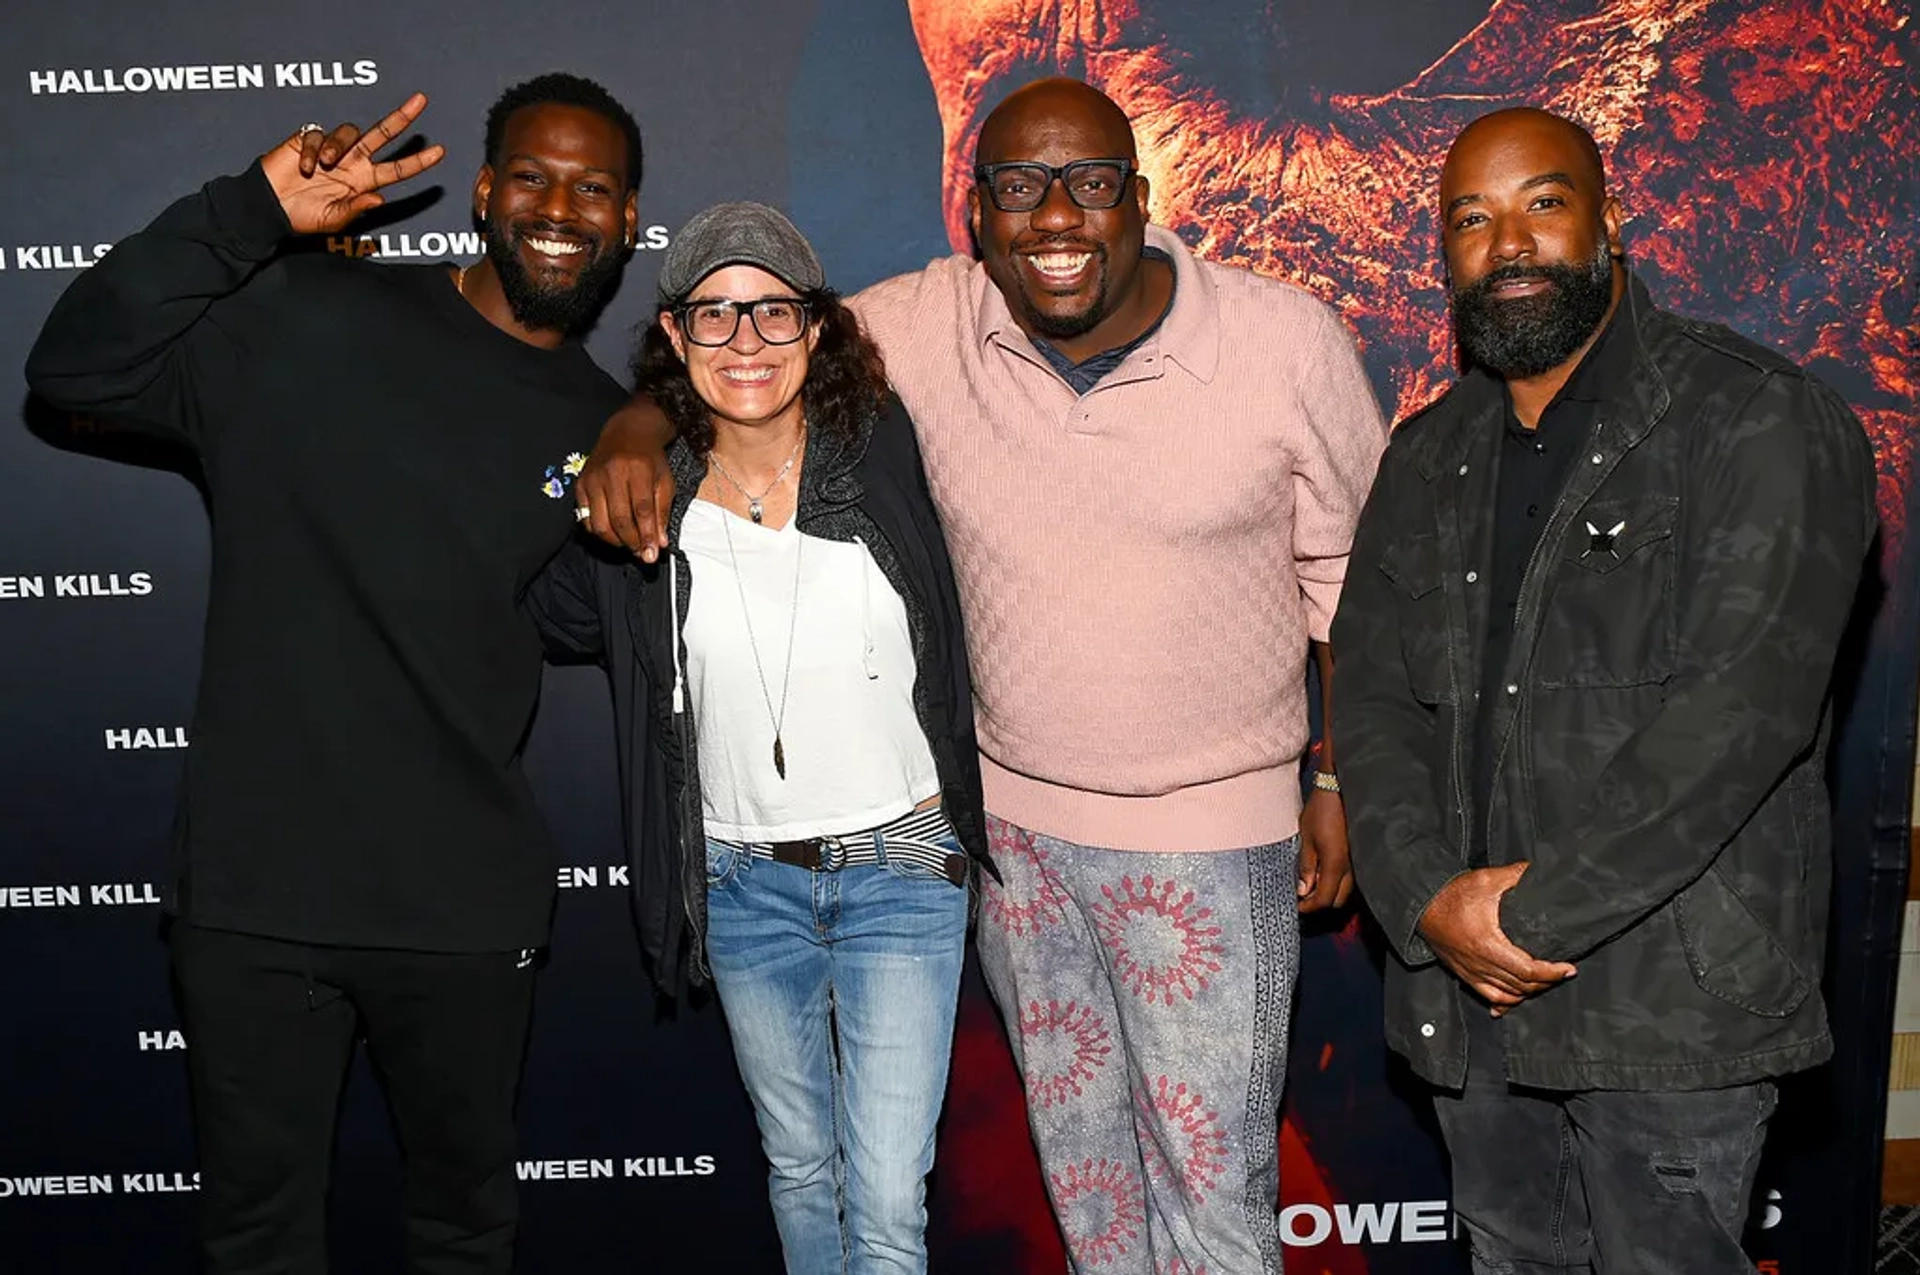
(1140, 568)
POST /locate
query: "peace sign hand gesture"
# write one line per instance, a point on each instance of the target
(325, 180)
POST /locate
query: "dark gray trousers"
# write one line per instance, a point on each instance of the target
(1606, 1181)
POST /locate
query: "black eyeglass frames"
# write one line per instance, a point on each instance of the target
(778, 320)
(1093, 184)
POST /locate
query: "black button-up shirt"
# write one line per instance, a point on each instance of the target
(1534, 464)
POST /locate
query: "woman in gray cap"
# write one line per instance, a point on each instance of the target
(796, 724)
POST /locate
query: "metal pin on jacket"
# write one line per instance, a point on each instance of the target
(1602, 541)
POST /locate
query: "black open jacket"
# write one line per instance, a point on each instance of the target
(593, 604)
(1661, 725)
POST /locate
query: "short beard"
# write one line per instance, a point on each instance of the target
(1526, 336)
(1064, 327)
(542, 309)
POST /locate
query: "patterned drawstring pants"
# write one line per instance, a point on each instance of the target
(1147, 997)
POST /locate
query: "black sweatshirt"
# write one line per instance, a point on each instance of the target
(387, 474)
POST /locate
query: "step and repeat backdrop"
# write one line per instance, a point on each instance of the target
(1764, 153)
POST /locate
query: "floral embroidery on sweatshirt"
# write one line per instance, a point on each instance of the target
(560, 477)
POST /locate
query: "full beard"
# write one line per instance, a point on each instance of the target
(540, 307)
(1526, 336)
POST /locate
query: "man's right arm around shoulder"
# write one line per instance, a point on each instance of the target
(128, 339)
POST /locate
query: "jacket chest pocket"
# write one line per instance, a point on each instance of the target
(1413, 564)
(1610, 618)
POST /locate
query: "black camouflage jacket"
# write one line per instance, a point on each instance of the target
(1659, 747)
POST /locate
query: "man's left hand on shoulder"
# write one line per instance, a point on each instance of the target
(1326, 870)
(625, 491)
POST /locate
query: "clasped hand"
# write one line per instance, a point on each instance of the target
(1462, 926)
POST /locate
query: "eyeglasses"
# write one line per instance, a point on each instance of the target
(778, 320)
(1093, 184)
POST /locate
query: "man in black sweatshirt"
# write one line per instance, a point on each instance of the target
(358, 851)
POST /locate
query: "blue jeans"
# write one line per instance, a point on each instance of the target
(840, 989)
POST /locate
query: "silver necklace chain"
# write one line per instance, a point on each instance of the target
(755, 504)
(779, 719)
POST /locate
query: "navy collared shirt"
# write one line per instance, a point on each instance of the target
(1084, 376)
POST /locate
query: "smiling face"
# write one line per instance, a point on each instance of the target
(1069, 274)
(557, 210)
(745, 382)
(1530, 238)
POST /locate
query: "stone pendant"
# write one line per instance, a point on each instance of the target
(754, 511)
(779, 757)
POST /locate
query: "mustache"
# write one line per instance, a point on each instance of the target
(1516, 273)
(1562, 274)
(548, 230)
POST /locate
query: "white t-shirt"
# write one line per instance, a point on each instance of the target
(855, 754)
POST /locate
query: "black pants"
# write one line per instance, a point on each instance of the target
(1599, 1180)
(270, 1030)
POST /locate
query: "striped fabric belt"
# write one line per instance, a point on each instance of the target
(921, 838)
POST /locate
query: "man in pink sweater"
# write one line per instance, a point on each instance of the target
(1149, 468)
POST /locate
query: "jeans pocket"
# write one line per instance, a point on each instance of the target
(724, 863)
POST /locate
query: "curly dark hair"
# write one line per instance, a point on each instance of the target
(846, 381)
(557, 88)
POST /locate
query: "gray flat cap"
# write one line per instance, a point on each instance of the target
(738, 234)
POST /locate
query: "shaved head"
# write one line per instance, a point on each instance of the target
(1532, 125)
(1072, 273)
(1058, 98)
